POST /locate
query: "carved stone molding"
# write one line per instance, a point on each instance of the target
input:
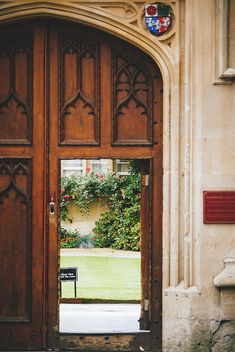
(224, 14)
(225, 282)
(126, 12)
(227, 277)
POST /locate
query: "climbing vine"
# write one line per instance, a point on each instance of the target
(119, 225)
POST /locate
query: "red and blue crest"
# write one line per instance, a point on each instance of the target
(157, 18)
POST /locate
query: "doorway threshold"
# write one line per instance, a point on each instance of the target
(99, 318)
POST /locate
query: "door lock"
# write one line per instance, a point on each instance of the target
(52, 207)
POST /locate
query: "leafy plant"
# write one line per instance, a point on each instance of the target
(119, 226)
(68, 239)
(72, 239)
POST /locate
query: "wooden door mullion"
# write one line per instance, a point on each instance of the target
(53, 172)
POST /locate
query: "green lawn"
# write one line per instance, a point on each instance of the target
(108, 278)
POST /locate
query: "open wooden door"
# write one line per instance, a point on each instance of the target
(105, 102)
(100, 98)
(22, 187)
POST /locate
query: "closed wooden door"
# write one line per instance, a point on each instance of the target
(22, 155)
(67, 91)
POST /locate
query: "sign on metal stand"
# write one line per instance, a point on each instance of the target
(69, 274)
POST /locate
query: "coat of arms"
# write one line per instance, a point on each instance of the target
(157, 18)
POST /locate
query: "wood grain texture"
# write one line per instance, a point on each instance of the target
(16, 88)
(146, 86)
(145, 226)
(15, 235)
(79, 88)
(132, 106)
(22, 188)
(95, 106)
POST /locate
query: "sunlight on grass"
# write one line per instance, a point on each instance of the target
(103, 278)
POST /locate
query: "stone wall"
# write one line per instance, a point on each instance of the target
(194, 315)
(84, 223)
(199, 154)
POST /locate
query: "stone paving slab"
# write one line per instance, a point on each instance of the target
(99, 318)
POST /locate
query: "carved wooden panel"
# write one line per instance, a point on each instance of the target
(79, 90)
(16, 89)
(132, 111)
(15, 239)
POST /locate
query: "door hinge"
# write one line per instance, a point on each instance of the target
(146, 305)
(145, 180)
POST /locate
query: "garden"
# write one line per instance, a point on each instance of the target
(103, 277)
(119, 225)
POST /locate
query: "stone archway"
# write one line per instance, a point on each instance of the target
(107, 18)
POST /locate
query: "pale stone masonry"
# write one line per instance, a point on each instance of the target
(196, 59)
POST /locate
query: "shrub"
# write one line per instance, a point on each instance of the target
(119, 226)
(119, 230)
(68, 239)
(72, 239)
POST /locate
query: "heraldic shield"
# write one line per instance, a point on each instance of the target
(157, 18)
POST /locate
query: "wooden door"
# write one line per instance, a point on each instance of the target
(106, 102)
(22, 187)
(67, 91)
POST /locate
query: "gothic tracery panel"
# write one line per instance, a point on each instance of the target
(132, 111)
(79, 88)
(15, 237)
(16, 89)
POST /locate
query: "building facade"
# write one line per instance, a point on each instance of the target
(196, 59)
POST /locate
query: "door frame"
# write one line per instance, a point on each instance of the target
(52, 332)
(153, 338)
(149, 340)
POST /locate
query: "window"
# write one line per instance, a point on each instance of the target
(122, 167)
(71, 167)
(100, 166)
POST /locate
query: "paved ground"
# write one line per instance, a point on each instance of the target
(99, 318)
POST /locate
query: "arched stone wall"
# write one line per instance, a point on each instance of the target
(198, 148)
(127, 24)
(124, 19)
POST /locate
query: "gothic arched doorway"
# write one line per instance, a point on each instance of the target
(68, 91)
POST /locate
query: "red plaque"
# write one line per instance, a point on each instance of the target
(219, 207)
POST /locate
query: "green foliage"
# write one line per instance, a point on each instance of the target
(119, 226)
(85, 189)
(104, 230)
(73, 239)
(68, 239)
